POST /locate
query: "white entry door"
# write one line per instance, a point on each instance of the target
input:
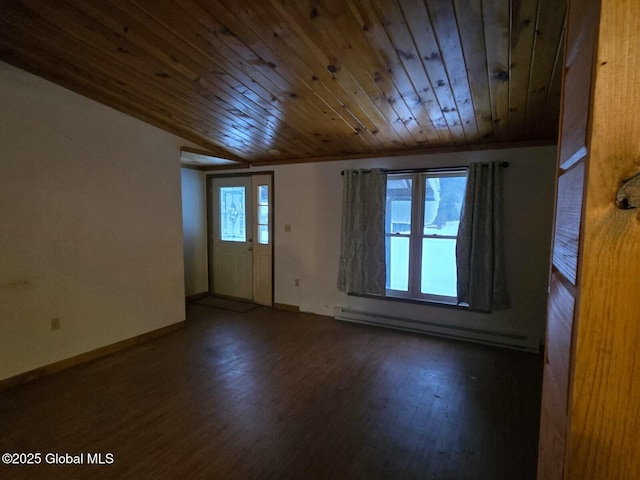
(241, 243)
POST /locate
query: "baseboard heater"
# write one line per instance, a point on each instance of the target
(499, 339)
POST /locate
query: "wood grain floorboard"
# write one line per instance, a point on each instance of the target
(272, 394)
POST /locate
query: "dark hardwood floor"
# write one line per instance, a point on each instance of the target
(280, 395)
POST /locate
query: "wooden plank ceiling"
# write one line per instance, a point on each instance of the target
(272, 81)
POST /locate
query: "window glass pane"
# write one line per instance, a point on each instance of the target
(263, 195)
(397, 256)
(263, 234)
(443, 203)
(232, 214)
(263, 215)
(439, 275)
(398, 208)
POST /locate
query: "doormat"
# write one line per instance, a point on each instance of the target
(226, 304)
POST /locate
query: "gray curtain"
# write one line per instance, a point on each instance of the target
(362, 266)
(479, 251)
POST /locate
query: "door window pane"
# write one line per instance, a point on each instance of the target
(397, 256)
(232, 214)
(263, 195)
(263, 214)
(263, 234)
(439, 275)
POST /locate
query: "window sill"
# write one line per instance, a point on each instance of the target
(429, 303)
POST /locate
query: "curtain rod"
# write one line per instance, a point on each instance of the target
(419, 170)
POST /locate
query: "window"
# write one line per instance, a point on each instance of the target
(232, 214)
(421, 228)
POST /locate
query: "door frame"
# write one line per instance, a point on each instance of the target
(208, 190)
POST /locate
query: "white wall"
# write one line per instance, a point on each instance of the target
(194, 218)
(308, 197)
(90, 224)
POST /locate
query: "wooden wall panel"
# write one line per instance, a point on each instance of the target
(556, 415)
(574, 120)
(567, 227)
(553, 430)
(559, 332)
(581, 36)
(604, 440)
(555, 390)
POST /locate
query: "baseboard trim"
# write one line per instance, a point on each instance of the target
(284, 306)
(524, 342)
(196, 296)
(55, 367)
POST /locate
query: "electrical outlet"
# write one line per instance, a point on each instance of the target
(287, 228)
(296, 282)
(55, 323)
